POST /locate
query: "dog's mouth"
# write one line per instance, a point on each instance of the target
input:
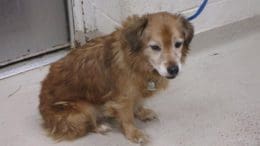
(171, 77)
(168, 76)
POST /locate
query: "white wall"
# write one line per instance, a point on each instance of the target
(255, 6)
(106, 15)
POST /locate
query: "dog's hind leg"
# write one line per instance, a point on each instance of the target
(69, 119)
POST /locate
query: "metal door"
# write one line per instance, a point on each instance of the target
(31, 27)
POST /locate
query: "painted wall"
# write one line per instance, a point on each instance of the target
(106, 15)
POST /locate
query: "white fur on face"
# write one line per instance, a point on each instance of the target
(162, 69)
(178, 52)
(155, 59)
(159, 60)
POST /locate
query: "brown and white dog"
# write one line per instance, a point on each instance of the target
(110, 76)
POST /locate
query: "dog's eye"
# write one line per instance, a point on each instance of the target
(155, 47)
(178, 44)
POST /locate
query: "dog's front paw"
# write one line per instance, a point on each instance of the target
(137, 136)
(103, 129)
(144, 114)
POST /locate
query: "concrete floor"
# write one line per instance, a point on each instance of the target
(214, 102)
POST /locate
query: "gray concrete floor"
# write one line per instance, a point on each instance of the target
(214, 102)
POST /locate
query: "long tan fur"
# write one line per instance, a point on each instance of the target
(109, 77)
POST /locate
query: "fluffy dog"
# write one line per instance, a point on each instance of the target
(112, 75)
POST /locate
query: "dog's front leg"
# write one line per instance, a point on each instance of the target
(145, 114)
(123, 111)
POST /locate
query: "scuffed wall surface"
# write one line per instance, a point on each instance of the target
(255, 6)
(104, 16)
(223, 12)
(130, 7)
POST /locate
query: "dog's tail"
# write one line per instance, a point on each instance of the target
(68, 119)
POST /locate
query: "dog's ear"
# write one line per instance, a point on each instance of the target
(133, 31)
(187, 28)
(188, 32)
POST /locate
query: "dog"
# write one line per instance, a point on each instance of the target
(111, 77)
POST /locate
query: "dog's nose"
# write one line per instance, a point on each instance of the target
(173, 70)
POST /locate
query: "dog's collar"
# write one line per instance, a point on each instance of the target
(151, 86)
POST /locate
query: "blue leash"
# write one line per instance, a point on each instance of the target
(198, 12)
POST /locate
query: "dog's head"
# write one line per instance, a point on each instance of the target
(163, 38)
